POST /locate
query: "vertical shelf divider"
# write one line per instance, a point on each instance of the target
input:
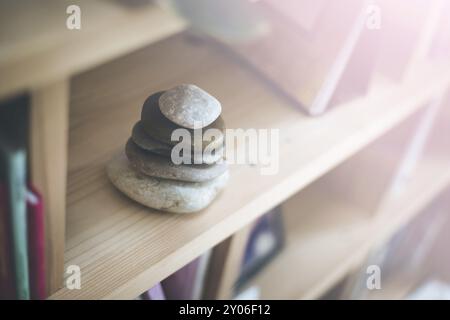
(48, 165)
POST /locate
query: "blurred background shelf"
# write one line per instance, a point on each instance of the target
(344, 180)
(326, 238)
(44, 49)
(123, 248)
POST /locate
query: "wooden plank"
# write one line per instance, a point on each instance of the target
(124, 248)
(49, 144)
(226, 265)
(41, 49)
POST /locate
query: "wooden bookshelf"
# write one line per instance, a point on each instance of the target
(326, 239)
(44, 50)
(87, 90)
(39, 54)
(124, 248)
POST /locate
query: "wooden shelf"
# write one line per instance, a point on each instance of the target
(39, 55)
(124, 248)
(326, 239)
(37, 48)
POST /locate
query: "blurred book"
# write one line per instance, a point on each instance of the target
(308, 59)
(264, 242)
(36, 244)
(202, 269)
(154, 293)
(188, 282)
(13, 165)
(7, 287)
(402, 259)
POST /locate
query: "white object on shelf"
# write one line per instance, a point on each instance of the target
(252, 293)
(431, 290)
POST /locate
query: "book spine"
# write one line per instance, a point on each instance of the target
(36, 245)
(17, 209)
(7, 290)
(199, 283)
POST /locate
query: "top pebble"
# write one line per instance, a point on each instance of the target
(189, 106)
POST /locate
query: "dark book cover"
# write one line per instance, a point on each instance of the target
(188, 282)
(265, 241)
(13, 167)
(7, 288)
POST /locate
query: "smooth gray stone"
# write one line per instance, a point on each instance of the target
(160, 128)
(189, 106)
(162, 194)
(154, 165)
(146, 142)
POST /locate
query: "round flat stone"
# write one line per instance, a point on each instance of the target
(162, 194)
(154, 165)
(146, 142)
(189, 106)
(160, 128)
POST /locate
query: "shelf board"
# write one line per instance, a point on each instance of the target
(326, 239)
(41, 49)
(124, 248)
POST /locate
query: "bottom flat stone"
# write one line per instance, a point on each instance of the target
(163, 194)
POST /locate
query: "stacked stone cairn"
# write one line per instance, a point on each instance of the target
(150, 172)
